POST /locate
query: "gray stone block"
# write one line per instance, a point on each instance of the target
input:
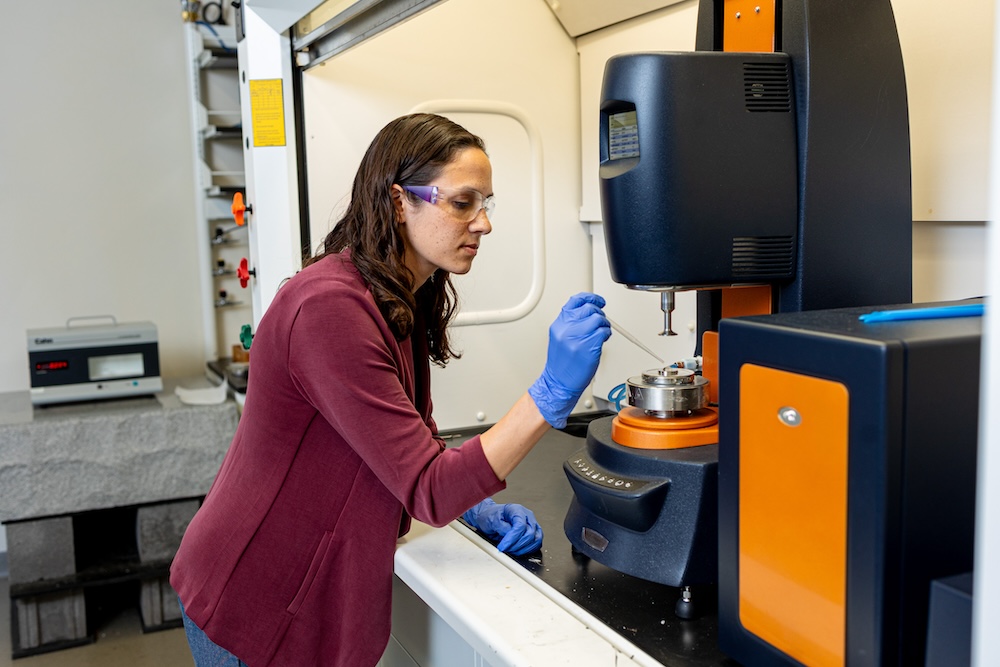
(40, 549)
(159, 528)
(46, 619)
(158, 603)
(73, 458)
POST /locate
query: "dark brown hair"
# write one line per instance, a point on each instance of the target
(411, 150)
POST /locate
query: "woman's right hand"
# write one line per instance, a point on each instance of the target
(576, 338)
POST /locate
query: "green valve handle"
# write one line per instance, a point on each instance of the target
(246, 337)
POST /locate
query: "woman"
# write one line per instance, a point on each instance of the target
(289, 561)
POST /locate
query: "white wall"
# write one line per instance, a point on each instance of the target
(96, 182)
(949, 260)
(948, 56)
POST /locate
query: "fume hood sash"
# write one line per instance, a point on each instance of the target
(337, 25)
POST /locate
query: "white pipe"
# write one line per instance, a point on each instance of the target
(534, 294)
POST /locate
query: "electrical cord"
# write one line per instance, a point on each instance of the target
(222, 44)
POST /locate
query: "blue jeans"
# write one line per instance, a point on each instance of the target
(206, 653)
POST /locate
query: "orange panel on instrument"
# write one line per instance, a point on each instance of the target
(740, 301)
(710, 364)
(748, 26)
(793, 512)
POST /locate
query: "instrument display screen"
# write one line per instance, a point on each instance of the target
(115, 366)
(47, 366)
(623, 135)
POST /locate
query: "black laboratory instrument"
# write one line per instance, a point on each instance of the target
(769, 170)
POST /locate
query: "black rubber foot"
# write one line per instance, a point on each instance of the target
(685, 608)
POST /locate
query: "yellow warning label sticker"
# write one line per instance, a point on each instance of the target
(267, 111)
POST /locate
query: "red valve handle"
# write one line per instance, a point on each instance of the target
(243, 272)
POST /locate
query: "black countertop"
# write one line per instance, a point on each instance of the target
(639, 610)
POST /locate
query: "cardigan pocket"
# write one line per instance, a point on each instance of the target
(319, 557)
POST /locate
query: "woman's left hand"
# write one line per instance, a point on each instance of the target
(514, 524)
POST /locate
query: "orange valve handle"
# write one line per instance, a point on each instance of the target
(240, 209)
(243, 272)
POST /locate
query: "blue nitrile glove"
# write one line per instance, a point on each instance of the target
(575, 340)
(515, 524)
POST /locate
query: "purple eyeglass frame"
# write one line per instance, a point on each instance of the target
(429, 193)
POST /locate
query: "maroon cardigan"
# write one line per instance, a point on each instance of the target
(289, 560)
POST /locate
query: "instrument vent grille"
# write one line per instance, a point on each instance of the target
(767, 87)
(763, 256)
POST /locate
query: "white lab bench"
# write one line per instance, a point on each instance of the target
(457, 601)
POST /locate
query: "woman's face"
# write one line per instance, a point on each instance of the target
(434, 235)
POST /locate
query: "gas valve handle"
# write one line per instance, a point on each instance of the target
(240, 210)
(246, 336)
(243, 272)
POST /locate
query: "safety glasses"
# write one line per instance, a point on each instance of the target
(462, 205)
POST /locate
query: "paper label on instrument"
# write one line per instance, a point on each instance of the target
(267, 110)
